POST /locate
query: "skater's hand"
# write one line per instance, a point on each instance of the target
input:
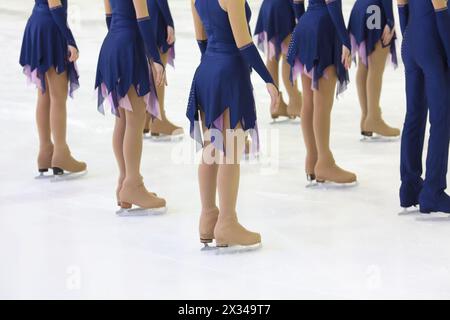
(159, 74)
(170, 35)
(439, 4)
(73, 54)
(388, 34)
(346, 57)
(274, 97)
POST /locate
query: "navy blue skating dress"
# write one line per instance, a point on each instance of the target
(275, 23)
(316, 44)
(123, 63)
(363, 38)
(222, 81)
(45, 47)
(161, 18)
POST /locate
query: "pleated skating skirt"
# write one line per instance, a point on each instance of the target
(364, 39)
(315, 46)
(221, 82)
(122, 63)
(276, 21)
(43, 48)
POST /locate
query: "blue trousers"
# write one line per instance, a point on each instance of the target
(427, 91)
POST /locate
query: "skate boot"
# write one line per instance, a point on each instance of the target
(330, 174)
(294, 107)
(147, 203)
(409, 197)
(281, 110)
(45, 162)
(65, 167)
(439, 203)
(233, 237)
(164, 130)
(208, 220)
(375, 129)
(119, 187)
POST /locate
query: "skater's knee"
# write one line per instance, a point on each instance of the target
(43, 99)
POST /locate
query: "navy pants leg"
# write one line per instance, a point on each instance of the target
(413, 134)
(437, 89)
(427, 87)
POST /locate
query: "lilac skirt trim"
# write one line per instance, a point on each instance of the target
(38, 79)
(360, 50)
(269, 47)
(171, 56)
(300, 69)
(116, 101)
(216, 135)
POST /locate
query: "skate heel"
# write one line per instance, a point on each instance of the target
(312, 182)
(425, 210)
(127, 210)
(58, 171)
(125, 205)
(43, 174)
(60, 175)
(367, 134)
(146, 131)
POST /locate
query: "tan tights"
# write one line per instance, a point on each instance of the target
(127, 146)
(369, 81)
(51, 119)
(223, 177)
(316, 124)
(295, 96)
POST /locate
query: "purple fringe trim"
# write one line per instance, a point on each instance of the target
(171, 56)
(269, 47)
(360, 50)
(37, 78)
(216, 135)
(300, 69)
(193, 114)
(116, 101)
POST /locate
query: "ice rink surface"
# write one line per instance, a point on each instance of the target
(63, 240)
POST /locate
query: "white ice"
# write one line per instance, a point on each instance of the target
(64, 241)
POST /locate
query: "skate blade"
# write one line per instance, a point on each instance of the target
(377, 138)
(328, 185)
(141, 212)
(296, 121)
(43, 176)
(165, 138)
(428, 217)
(208, 248)
(236, 249)
(282, 121)
(409, 211)
(68, 176)
(312, 185)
